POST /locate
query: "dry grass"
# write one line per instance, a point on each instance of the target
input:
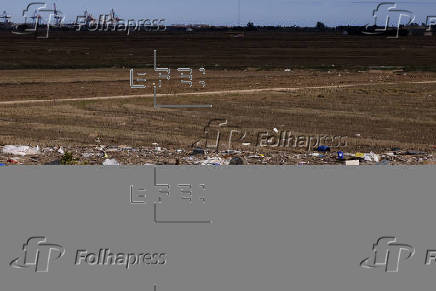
(384, 115)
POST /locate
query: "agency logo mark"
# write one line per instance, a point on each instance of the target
(390, 11)
(387, 253)
(38, 254)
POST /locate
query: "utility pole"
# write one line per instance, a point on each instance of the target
(239, 12)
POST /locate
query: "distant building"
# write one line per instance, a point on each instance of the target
(5, 18)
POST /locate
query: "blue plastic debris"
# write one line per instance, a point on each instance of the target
(197, 151)
(340, 155)
(323, 148)
(2, 165)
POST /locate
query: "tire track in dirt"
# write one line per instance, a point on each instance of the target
(224, 92)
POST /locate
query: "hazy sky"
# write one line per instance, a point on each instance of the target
(225, 12)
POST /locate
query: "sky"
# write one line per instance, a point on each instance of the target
(225, 12)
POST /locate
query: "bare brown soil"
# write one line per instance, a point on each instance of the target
(215, 50)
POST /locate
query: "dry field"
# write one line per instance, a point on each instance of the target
(376, 110)
(220, 50)
(387, 109)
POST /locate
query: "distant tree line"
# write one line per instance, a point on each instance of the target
(250, 26)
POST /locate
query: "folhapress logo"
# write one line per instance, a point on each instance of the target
(387, 253)
(38, 254)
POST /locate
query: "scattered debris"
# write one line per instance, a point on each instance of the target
(359, 155)
(111, 162)
(197, 151)
(238, 161)
(13, 161)
(20, 150)
(413, 153)
(371, 157)
(352, 163)
(127, 155)
(217, 161)
(323, 148)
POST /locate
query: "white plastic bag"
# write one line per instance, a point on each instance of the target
(20, 150)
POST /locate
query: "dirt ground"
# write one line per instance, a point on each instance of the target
(387, 111)
(375, 111)
(257, 49)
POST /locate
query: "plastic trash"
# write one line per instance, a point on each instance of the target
(111, 162)
(20, 150)
(13, 161)
(47, 150)
(212, 162)
(61, 151)
(237, 161)
(256, 156)
(340, 155)
(112, 149)
(352, 163)
(359, 155)
(197, 151)
(414, 153)
(2, 165)
(372, 157)
(231, 152)
(323, 148)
